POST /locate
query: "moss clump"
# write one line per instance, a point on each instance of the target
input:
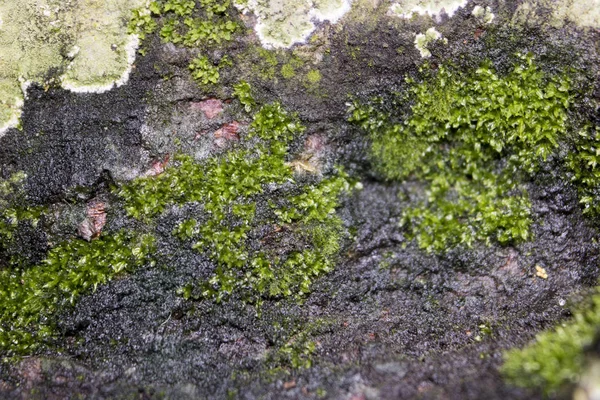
(243, 92)
(313, 78)
(268, 236)
(32, 296)
(204, 71)
(584, 162)
(296, 353)
(556, 357)
(472, 138)
(187, 23)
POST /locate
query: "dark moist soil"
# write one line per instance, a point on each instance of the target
(391, 322)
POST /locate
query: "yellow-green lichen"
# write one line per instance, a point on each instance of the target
(83, 45)
(484, 14)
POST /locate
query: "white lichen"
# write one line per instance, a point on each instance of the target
(583, 13)
(78, 85)
(433, 8)
(33, 39)
(483, 14)
(283, 23)
(422, 40)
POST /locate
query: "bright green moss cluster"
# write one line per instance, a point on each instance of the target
(243, 92)
(556, 357)
(186, 22)
(584, 162)
(204, 71)
(297, 352)
(472, 138)
(276, 252)
(31, 297)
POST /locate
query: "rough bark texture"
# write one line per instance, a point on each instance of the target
(391, 321)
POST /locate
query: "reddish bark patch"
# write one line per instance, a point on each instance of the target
(227, 133)
(31, 371)
(91, 227)
(210, 107)
(289, 385)
(158, 166)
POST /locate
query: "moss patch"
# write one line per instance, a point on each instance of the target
(268, 234)
(556, 357)
(584, 162)
(472, 138)
(186, 22)
(32, 296)
(13, 212)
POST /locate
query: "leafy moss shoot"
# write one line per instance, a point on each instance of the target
(473, 139)
(186, 22)
(556, 357)
(32, 295)
(269, 233)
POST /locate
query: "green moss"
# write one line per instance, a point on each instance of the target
(472, 138)
(296, 352)
(288, 71)
(584, 161)
(243, 92)
(556, 357)
(278, 252)
(32, 296)
(265, 62)
(186, 22)
(204, 71)
(313, 77)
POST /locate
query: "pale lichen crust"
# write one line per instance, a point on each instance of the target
(484, 14)
(82, 45)
(282, 23)
(433, 8)
(422, 40)
(583, 13)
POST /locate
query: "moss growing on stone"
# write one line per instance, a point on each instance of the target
(313, 77)
(288, 71)
(556, 357)
(472, 138)
(32, 296)
(296, 353)
(276, 252)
